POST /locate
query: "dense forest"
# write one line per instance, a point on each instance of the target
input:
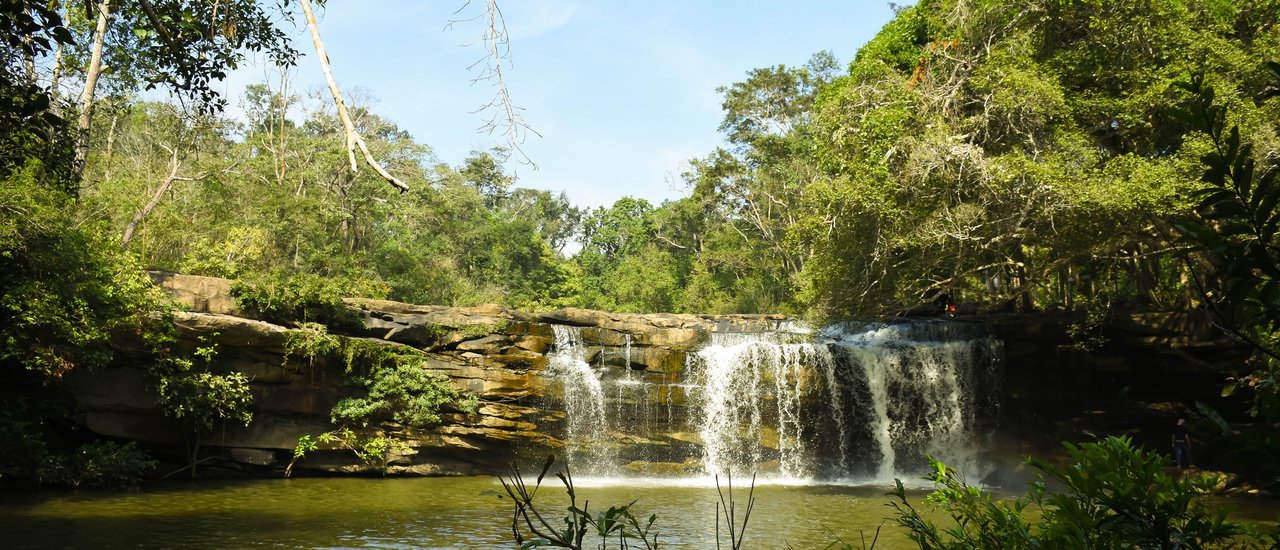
(1016, 156)
(1047, 155)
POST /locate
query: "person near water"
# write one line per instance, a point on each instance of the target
(1181, 445)
(944, 305)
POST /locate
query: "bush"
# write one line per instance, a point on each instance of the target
(101, 464)
(399, 387)
(300, 298)
(1114, 495)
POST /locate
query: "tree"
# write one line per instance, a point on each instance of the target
(183, 45)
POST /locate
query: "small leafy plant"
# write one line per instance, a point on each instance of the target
(1114, 495)
(616, 527)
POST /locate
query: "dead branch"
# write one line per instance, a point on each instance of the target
(354, 140)
(506, 116)
(174, 164)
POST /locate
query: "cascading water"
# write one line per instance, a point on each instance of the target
(909, 391)
(587, 431)
(749, 409)
(862, 405)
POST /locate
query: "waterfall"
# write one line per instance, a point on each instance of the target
(926, 390)
(588, 447)
(850, 404)
(749, 408)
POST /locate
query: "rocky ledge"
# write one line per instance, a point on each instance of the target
(492, 352)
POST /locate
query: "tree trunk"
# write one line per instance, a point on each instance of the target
(28, 61)
(56, 74)
(86, 97)
(155, 199)
(111, 141)
(280, 150)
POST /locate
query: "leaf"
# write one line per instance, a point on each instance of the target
(1225, 209)
(545, 467)
(1212, 415)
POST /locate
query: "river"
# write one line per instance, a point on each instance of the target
(434, 513)
(415, 513)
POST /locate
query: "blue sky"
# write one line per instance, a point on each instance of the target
(622, 93)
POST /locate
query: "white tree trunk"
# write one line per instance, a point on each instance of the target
(86, 97)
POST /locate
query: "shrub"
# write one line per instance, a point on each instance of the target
(299, 298)
(101, 464)
(1114, 495)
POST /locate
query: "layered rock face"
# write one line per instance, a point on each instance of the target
(1150, 366)
(494, 353)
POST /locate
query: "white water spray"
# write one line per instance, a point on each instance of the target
(587, 431)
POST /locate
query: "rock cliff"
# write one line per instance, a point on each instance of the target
(494, 353)
(1146, 367)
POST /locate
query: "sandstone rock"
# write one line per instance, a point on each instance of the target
(488, 345)
(518, 359)
(120, 389)
(199, 294)
(259, 367)
(233, 331)
(535, 344)
(646, 468)
(661, 359)
(255, 457)
(146, 427)
(451, 468)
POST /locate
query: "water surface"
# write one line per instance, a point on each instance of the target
(414, 513)
(438, 513)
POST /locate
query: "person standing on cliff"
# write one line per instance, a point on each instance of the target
(1181, 445)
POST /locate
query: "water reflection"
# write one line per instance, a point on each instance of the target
(406, 513)
(430, 513)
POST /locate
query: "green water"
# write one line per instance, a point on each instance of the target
(408, 513)
(416, 513)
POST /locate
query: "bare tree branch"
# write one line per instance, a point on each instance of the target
(354, 140)
(506, 116)
(175, 163)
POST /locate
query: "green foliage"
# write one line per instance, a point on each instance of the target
(311, 341)
(102, 464)
(298, 298)
(1114, 495)
(65, 289)
(896, 47)
(189, 391)
(368, 448)
(1238, 230)
(188, 46)
(617, 525)
(393, 384)
(198, 398)
(398, 387)
(30, 126)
